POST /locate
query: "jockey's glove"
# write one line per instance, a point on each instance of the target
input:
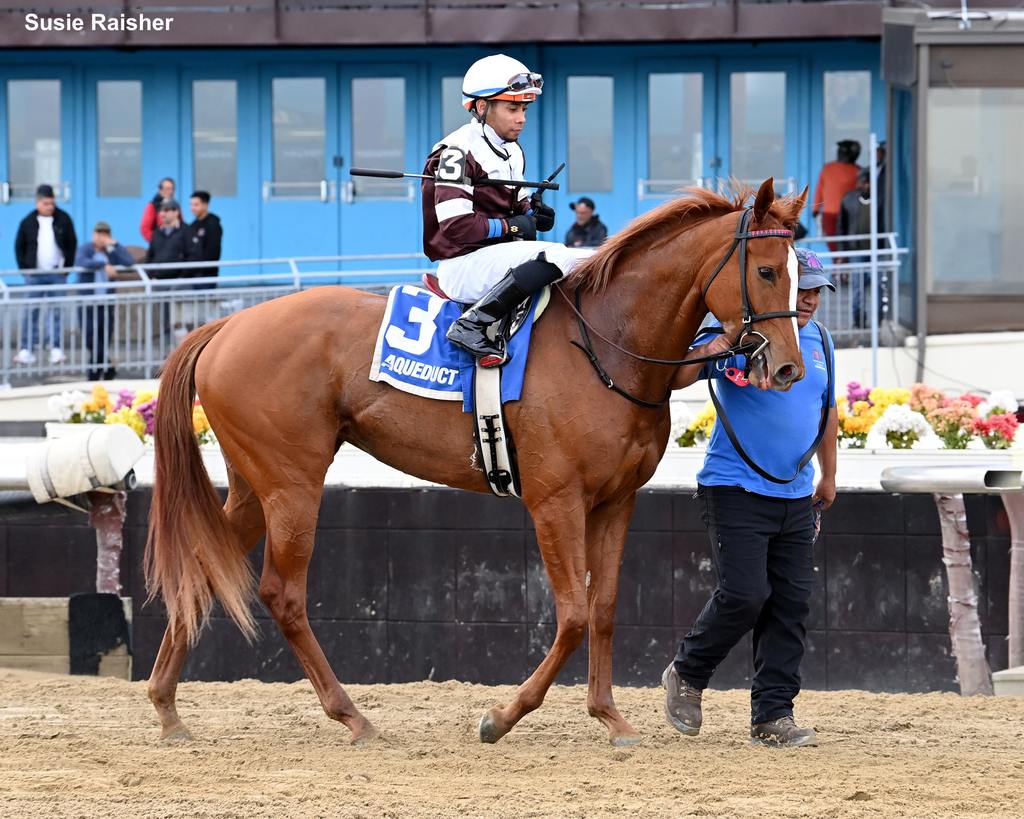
(522, 227)
(545, 216)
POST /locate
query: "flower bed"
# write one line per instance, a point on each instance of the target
(134, 410)
(896, 418)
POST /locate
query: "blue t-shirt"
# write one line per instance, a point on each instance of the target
(775, 428)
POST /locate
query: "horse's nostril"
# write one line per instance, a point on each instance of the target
(786, 373)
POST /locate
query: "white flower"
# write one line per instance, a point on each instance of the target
(66, 404)
(998, 400)
(899, 418)
(681, 419)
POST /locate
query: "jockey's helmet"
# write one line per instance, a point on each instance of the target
(500, 77)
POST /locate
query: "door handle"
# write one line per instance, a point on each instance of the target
(323, 190)
(5, 193)
(65, 191)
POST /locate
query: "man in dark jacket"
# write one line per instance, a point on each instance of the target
(169, 245)
(45, 240)
(101, 257)
(855, 220)
(588, 231)
(204, 235)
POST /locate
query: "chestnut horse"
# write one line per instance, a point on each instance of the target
(285, 383)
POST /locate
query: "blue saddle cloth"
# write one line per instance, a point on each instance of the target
(413, 355)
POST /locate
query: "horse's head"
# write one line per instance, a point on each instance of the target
(761, 254)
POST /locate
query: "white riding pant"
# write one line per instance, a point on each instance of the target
(467, 278)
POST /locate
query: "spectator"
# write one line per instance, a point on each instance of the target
(169, 245)
(46, 240)
(855, 220)
(834, 182)
(589, 230)
(151, 215)
(204, 234)
(101, 257)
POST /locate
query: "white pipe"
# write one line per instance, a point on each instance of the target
(976, 479)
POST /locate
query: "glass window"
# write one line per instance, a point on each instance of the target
(975, 187)
(590, 133)
(300, 135)
(119, 137)
(453, 115)
(378, 133)
(847, 110)
(675, 137)
(215, 136)
(757, 113)
(33, 135)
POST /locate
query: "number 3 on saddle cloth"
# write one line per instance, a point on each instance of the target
(413, 355)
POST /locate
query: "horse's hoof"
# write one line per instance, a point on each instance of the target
(625, 740)
(489, 730)
(176, 733)
(366, 735)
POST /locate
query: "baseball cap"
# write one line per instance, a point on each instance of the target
(44, 192)
(101, 227)
(812, 274)
(583, 200)
(170, 204)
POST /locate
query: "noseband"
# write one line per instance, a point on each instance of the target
(752, 348)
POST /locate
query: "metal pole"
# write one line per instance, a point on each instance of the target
(1014, 503)
(873, 170)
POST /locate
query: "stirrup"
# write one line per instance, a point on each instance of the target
(492, 361)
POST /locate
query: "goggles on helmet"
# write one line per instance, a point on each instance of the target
(525, 82)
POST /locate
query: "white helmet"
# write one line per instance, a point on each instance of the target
(499, 77)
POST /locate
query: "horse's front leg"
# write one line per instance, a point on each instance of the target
(560, 525)
(606, 537)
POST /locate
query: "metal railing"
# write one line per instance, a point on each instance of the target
(79, 330)
(847, 312)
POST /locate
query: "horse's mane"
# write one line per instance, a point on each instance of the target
(667, 221)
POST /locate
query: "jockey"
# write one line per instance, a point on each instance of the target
(469, 228)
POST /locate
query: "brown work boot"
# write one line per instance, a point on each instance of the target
(682, 702)
(782, 733)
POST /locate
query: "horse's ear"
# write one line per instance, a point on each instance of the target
(765, 197)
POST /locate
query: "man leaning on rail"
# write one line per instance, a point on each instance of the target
(762, 527)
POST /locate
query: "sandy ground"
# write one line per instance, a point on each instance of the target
(88, 747)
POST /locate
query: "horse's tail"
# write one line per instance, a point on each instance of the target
(192, 553)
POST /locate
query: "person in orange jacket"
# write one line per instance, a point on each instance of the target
(836, 180)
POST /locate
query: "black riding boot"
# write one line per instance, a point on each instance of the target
(470, 330)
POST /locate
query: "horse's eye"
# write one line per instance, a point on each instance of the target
(767, 273)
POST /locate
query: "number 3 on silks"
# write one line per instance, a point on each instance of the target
(451, 166)
(417, 315)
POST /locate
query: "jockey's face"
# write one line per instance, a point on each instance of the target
(507, 118)
(807, 302)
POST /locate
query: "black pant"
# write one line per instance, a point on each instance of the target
(96, 326)
(762, 548)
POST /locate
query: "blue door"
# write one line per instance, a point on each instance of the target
(36, 147)
(382, 114)
(219, 118)
(299, 160)
(130, 142)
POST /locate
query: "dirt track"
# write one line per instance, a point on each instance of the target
(76, 746)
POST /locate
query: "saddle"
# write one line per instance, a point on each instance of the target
(493, 439)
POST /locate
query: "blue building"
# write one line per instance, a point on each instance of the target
(271, 130)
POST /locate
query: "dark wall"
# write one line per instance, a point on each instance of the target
(440, 584)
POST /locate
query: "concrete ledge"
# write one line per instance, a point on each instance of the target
(1009, 683)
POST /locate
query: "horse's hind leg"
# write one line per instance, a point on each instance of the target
(246, 517)
(559, 522)
(606, 538)
(291, 527)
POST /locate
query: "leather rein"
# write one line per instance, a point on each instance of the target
(753, 347)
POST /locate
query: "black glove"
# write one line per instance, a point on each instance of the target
(522, 227)
(544, 214)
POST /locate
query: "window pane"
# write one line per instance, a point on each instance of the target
(378, 133)
(300, 120)
(590, 133)
(975, 187)
(453, 115)
(33, 135)
(757, 110)
(215, 136)
(847, 110)
(675, 146)
(119, 137)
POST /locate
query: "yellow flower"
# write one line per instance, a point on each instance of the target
(143, 397)
(704, 422)
(882, 397)
(200, 424)
(130, 418)
(90, 405)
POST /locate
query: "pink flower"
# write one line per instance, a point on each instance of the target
(855, 392)
(148, 413)
(124, 399)
(971, 398)
(997, 431)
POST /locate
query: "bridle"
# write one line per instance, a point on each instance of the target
(753, 348)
